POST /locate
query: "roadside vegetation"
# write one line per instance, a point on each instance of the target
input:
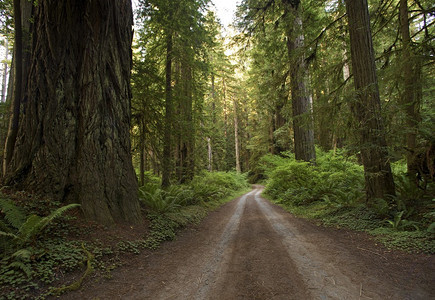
(51, 254)
(332, 192)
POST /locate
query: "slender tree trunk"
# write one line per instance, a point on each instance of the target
(166, 162)
(301, 104)
(411, 71)
(236, 138)
(187, 128)
(367, 105)
(10, 93)
(210, 155)
(271, 139)
(142, 152)
(209, 139)
(5, 72)
(74, 143)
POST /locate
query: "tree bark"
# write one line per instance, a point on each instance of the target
(366, 107)
(18, 78)
(301, 104)
(411, 71)
(74, 143)
(18, 88)
(166, 161)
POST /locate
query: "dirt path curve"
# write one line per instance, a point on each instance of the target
(252, 249)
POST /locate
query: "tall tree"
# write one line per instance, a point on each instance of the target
(411, 70)
(73, 142)
(300, 94)
(366, 106)
(18, 88)
(167, 140)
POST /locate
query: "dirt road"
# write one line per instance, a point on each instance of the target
(251, 249)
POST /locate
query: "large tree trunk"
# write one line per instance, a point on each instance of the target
(301, 102)
(74, 143)
(411, 70)
(366, 106)
(167, 140)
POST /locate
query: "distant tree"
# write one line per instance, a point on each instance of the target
(73, 142)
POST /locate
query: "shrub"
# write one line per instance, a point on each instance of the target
(336, 180)
(204, 187)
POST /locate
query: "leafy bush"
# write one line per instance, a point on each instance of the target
(204, 187)
(264, 167)
(336, 180)
(24, 230)
(160, 201)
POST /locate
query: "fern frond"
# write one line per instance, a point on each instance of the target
(21, 266)
(8, 234)
(22, 254)
(4, 227)
(57, 213)
(14, 215)
(29, 228)
(35, 224)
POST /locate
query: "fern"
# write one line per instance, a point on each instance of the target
(29, 228)
(14, 215)
(34, 226)
(18, 265)
(4, 227)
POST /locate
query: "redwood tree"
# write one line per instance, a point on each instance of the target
(301, 102)
(366, 106)
(73, 142)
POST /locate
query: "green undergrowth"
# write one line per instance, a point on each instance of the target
(180, 205)
(54, 255)
(332, 192)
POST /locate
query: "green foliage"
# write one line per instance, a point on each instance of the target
(335, 180)
(31, 227)
(161, 201)
(331, 192)
(205, 187)
(13, 214)
(410, 241)
(26, 258)
(214, 185)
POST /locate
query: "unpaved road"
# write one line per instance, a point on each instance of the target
(251, 249)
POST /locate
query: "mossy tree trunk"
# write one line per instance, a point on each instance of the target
(412, 88)
(73, 142)
(366, 107)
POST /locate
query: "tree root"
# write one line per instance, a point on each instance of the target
(76, 285)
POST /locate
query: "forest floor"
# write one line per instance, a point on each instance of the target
(252, 249)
